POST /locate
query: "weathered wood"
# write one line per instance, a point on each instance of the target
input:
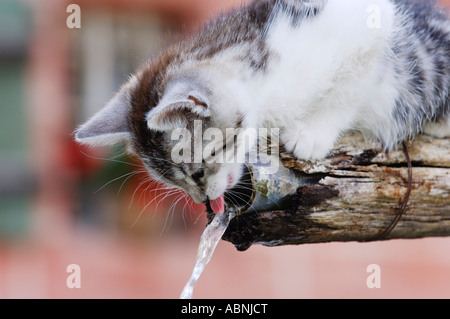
(357, 197)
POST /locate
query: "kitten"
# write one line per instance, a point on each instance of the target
(312, 68)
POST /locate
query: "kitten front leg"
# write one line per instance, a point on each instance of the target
(439, 129)
(315, 139)
(307, 144)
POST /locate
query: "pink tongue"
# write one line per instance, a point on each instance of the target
(218, 205)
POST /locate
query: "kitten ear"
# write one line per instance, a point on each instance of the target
(110, 125)
(170, 115)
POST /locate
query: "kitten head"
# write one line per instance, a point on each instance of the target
(176, 122)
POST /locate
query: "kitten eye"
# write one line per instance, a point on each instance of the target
(198, 175)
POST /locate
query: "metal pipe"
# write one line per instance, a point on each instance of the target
(265, 186)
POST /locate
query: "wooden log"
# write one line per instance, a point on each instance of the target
(357, 197)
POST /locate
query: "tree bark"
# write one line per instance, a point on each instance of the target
(357, 197)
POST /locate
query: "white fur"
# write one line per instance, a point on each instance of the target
(325, 77)
(440, 129)
(325, 70)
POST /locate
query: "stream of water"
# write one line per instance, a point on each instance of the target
(208, 242)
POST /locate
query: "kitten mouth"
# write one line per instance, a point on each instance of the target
(218, 204)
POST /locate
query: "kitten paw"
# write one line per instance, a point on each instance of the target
(439, 129)
(304, 146)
